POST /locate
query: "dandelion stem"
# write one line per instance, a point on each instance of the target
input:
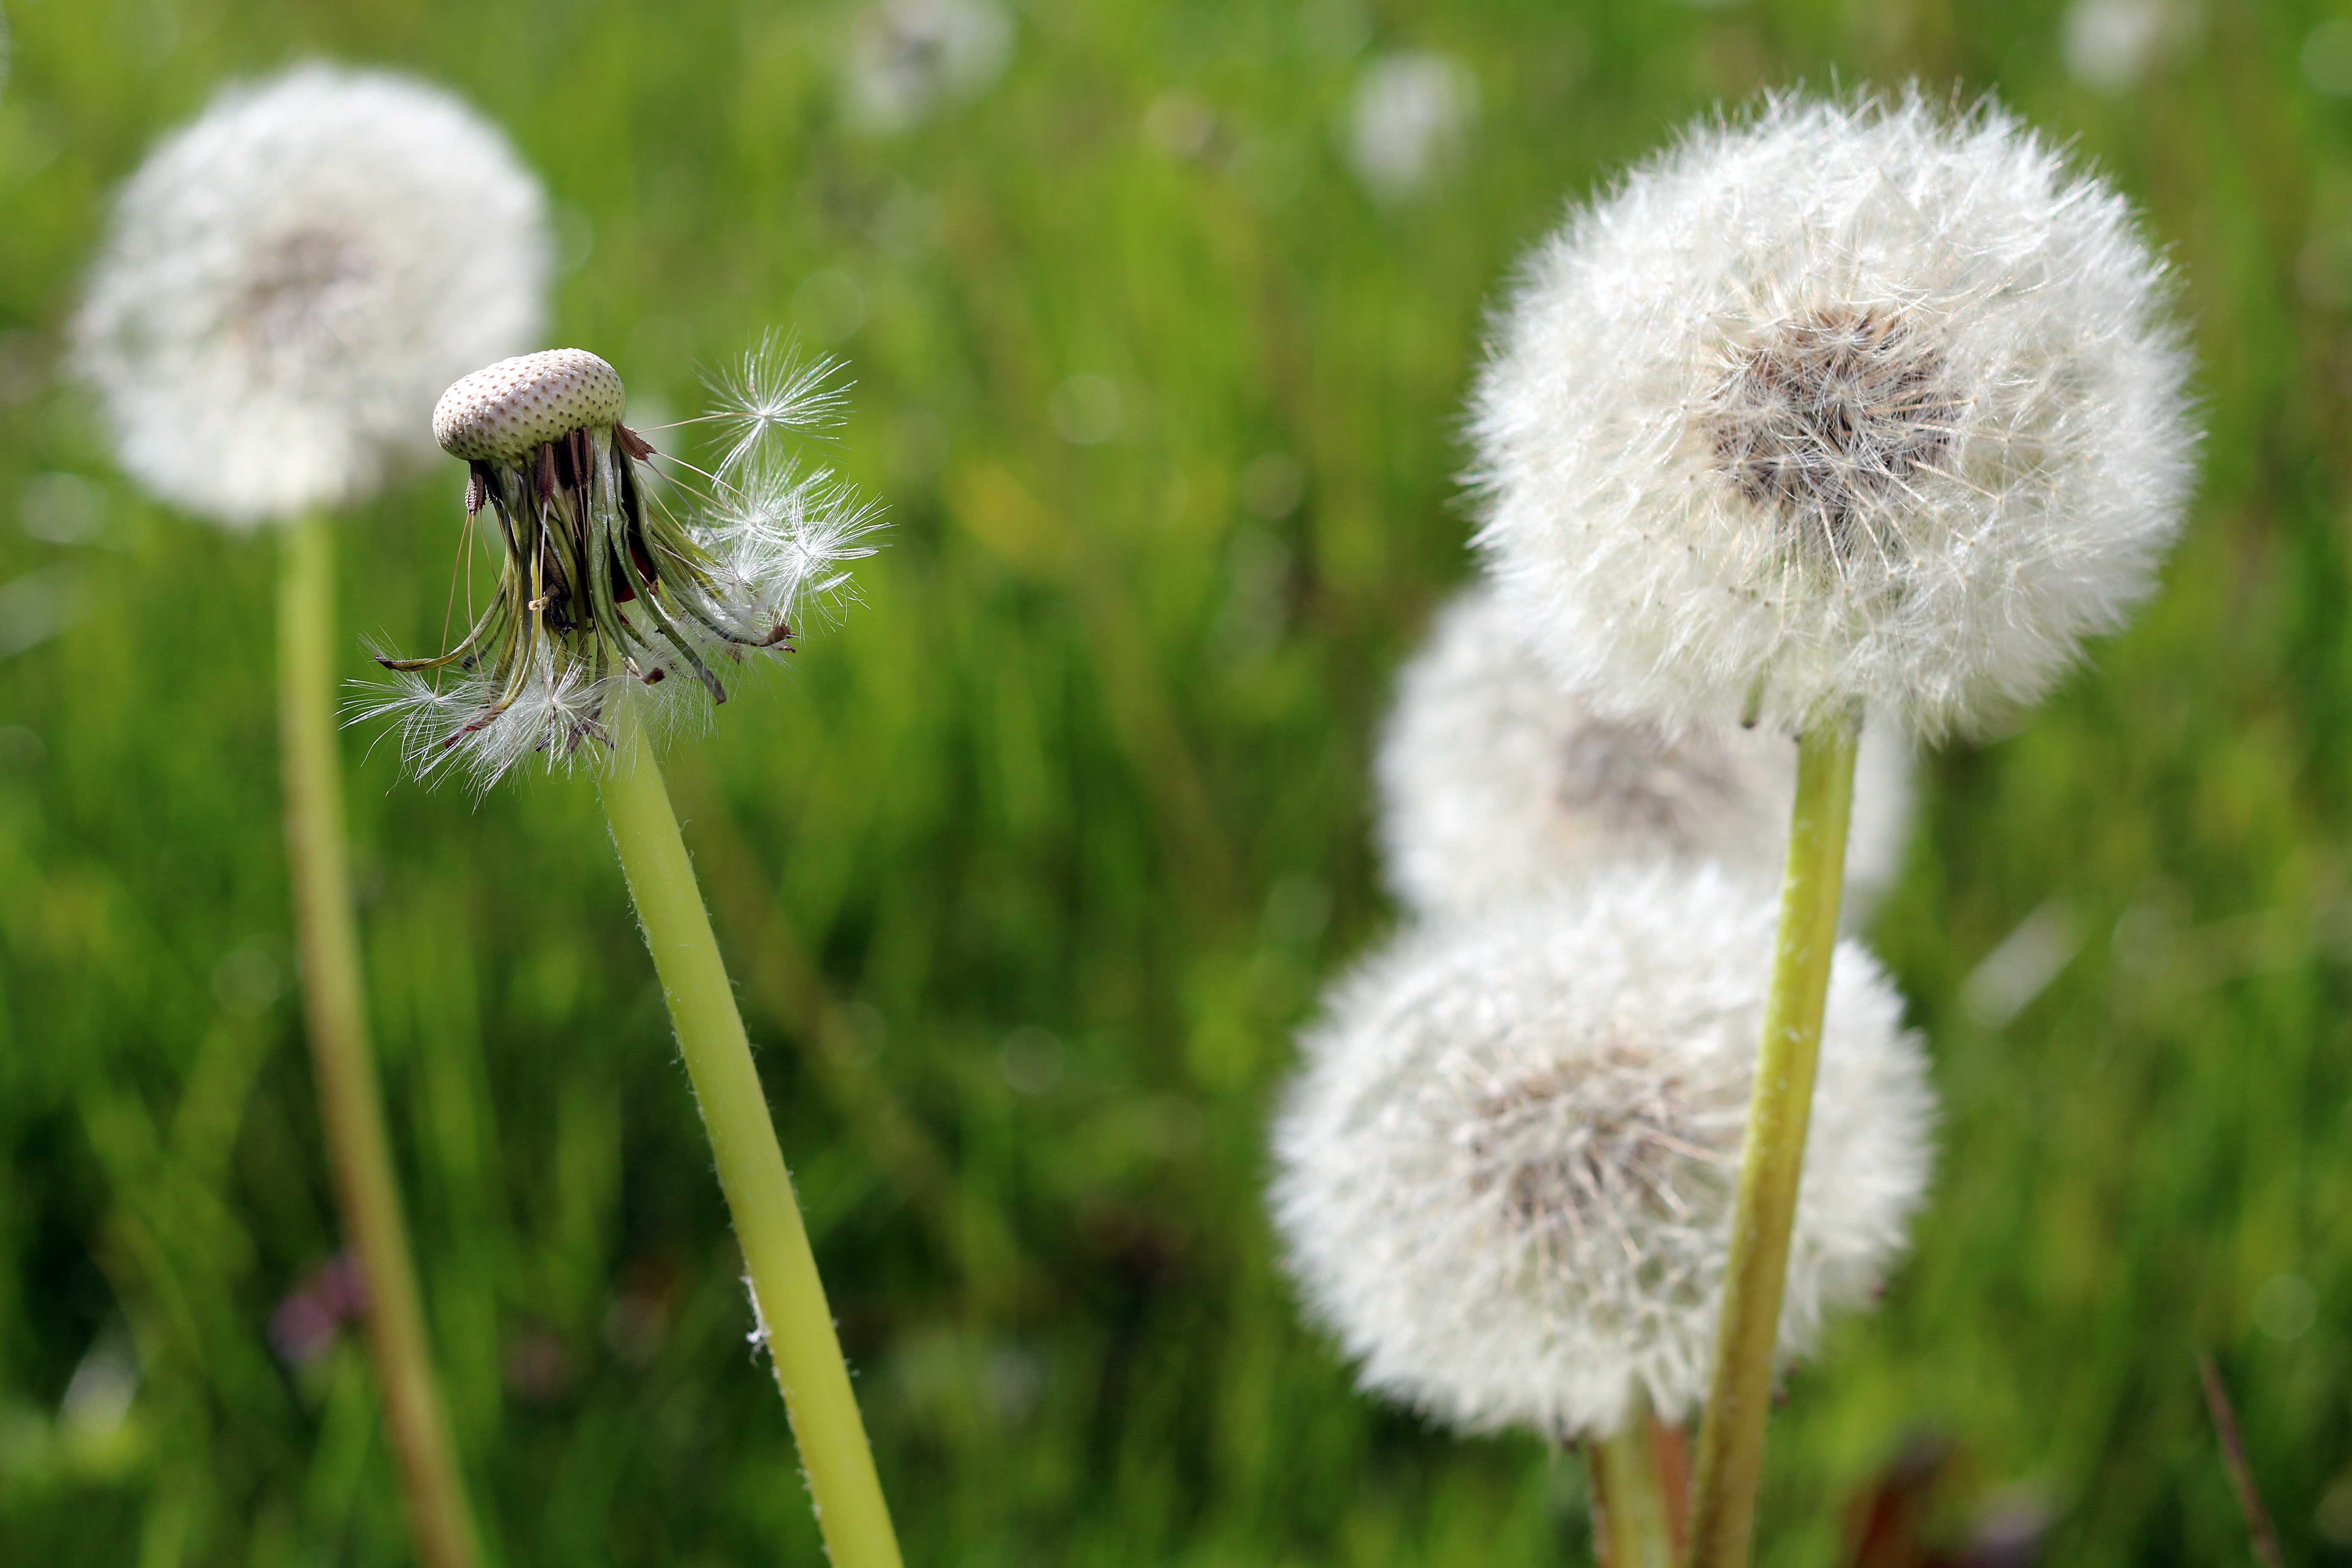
(787, 1294)
(1731, 1439)
(1632, 1525)
(342, 1062)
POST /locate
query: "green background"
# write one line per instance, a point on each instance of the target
(1028, 869)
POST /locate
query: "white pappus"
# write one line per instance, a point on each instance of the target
(1841, 401)
(1505, 1174)
(1495, 780)
(287, 282)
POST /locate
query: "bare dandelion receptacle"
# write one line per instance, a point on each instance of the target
(610, 582)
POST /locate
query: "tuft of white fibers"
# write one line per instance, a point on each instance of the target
(287, 283)
(908, 57)
(1843, 401)
(1495, 780)
(1505, 1174)
(611, 587)
(1409, 121)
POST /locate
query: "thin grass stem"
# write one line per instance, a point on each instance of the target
(1731, 1438)
(789, 1299)
(350, 1105)
(1631, 1518)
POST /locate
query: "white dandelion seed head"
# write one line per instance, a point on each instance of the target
(1410, 121)
(288, 282)
(1844, 401)
(614, 590)
(519, 403)
(1495, 780)
(1505, 1172)
(908, 58)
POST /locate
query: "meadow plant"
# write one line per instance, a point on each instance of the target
(1495, 782)
(1839, 407)
(621, 595)
(1409, 123)
(908, 59)
(278, 299)
(1506, 1171)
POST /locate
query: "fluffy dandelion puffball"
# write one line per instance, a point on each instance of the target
(616, 584)
(909, 58)
(290, 281)
(1505, 1172)
(1842, 401)
(1495, 780)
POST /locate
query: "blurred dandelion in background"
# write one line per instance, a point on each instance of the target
(1495, 782)
(911, 58)
(1409, 123)
(2111, 43)
(1505, 1174)
(287, 285)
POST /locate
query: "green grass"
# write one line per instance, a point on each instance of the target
(1079, 791)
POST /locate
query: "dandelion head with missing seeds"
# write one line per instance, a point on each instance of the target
(615, 583)
(1495, 780)
(1505, 1176)
(287, 283)
(1848, 401)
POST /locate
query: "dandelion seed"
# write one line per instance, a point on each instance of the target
(1843, 401)
(288, 282)
(1495, 782)
(1506, 1171)
(607, 586)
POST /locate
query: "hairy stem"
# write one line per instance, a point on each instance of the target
(342, 1061)
(787, 1294)
(1731, 1439)
(1631, 1518)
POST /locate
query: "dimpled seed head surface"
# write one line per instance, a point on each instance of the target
(517, 403)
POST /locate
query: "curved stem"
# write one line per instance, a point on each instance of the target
(1731, 1439)
(342, 1061)
(786, 1293)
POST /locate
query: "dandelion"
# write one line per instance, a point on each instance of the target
(1845, 402)
(618, 590)
(1409, 121)
(908, 57)
(284, 286)
(1495, 782)
(288, 282)
(1505, 1172)
(1840, 407)
(608, 583)
(2110, 43)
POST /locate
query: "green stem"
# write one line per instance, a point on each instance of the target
(787, 1294)
(1630, 1520)
(1731, 1439)
(342, 1061)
